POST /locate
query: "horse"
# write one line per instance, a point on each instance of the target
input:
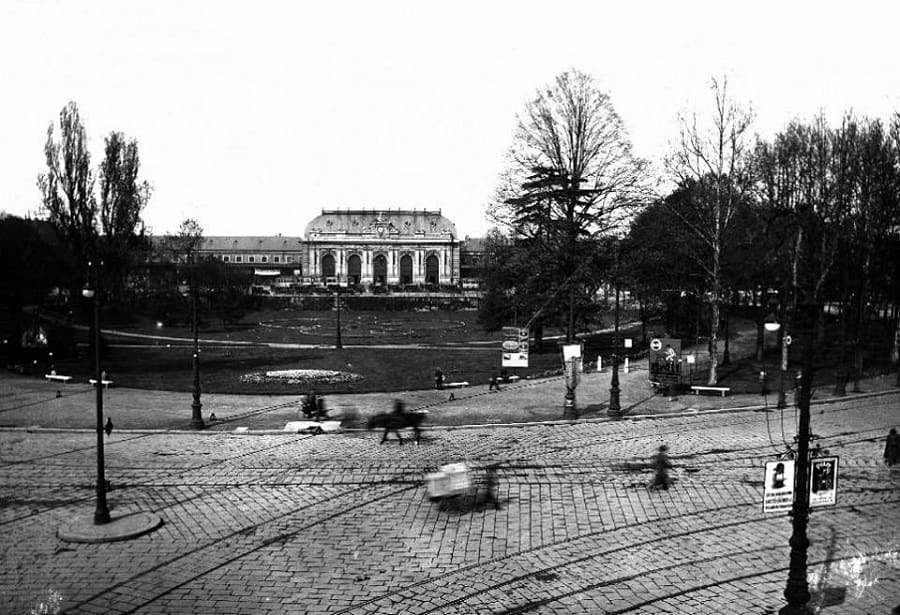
(395, 421)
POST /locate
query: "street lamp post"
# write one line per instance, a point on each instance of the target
(101, 513)
(337, 306)
(196, 416)
(614, 407)
(797, 590)
(771, 325)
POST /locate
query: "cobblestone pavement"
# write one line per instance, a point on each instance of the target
(336, 523)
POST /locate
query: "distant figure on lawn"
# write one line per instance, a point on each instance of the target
(438, 379)
(662, 465)
(495, 383)
(892, 448)
(397, 420)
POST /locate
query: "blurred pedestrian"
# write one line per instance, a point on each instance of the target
(662, 465)
(892, 448)
(495, 384)
(438, 379)
(490, 487)
(309, 405)
(399, 408)
(321, 412)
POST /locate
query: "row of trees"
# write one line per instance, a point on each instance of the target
(93, 218)
(808, 218)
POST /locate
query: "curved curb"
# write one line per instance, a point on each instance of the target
(549, 422)
(121, 527)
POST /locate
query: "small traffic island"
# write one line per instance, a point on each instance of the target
(120, 527)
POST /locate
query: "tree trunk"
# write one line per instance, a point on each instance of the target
(714, 342)
(760, 320)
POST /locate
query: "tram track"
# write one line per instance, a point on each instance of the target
(540, 574)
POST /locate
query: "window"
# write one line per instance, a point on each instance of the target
(226, 258)
(265, 259)
(276, 259)
(238, 259)
(251, 259)
(289, 259)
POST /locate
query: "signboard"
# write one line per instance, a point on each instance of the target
(573, 353)
(665, 360)
(515, 347)
(823, 481)
(778, 488)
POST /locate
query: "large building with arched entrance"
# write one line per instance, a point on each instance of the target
(357, 248)
(382, 248)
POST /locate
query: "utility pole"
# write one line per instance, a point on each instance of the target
(615, 408)
(196, 416)
(797, 590)
(101, 513)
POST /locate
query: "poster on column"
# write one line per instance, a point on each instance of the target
(515, 347)
(823, 472)
(778, 488)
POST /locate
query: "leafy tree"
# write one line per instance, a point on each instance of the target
(122, 199)
(111, 230)
(32, 263)
(714, 159)
(67, 188)
(571, 179)
(658, 260)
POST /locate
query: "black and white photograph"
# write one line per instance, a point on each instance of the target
(427, 308)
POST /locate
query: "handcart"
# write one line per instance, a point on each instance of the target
(451, 480)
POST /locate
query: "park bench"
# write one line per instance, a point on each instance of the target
(697, 389)
(315, 427)
(455, 385)
(57, 378)
(106, 383)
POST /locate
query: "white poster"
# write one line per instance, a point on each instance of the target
(778, 489)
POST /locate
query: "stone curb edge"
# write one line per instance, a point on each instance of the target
(550, 423)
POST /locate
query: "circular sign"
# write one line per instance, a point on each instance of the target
(787, 340)
(656, 344)
(510, 345)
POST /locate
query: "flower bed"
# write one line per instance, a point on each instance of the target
(301, 376)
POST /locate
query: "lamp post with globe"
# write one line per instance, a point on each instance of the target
(92, 292)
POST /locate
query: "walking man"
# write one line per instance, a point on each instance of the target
(892, 448)
(662, 465)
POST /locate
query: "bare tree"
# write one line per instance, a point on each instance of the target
(714, 155)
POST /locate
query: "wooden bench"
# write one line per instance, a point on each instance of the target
(57, 377)
(106, 383)
(697, 389)
(455, 385)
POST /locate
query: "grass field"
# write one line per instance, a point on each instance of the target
(382, 351)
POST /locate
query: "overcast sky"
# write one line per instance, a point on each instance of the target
(254, 116)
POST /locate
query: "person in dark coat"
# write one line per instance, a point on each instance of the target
(661, 465)
(438, 379)
(490, 487)
(892, 448)
(494, 382)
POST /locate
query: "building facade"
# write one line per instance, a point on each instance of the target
(353, 248)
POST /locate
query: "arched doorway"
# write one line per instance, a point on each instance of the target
(406, 265)
(354, 269)
(432, 270)
(328, 266)
(379, 270)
